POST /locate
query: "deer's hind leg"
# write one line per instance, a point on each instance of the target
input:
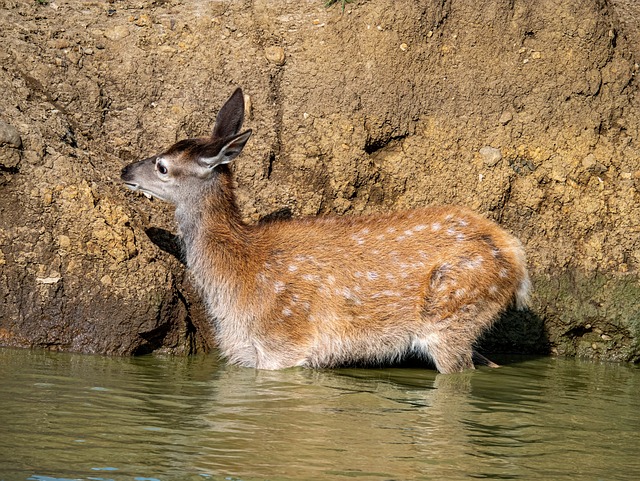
(449, 352)
(449, 341)
(456, 310)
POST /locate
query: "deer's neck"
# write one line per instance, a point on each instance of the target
(219, 246)
(211, 225)
(220, 252)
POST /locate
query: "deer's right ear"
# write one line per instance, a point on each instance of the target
(230, 117)
(230, 149)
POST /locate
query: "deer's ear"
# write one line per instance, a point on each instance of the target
(229, 150)
(230, 117)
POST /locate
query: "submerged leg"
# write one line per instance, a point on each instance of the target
(449, 361)
(448, 355)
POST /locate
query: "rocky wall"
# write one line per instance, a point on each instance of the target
(526, 111)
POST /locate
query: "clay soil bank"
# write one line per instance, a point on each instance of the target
(526, 111)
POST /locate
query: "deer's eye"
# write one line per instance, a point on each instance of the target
(162, 169)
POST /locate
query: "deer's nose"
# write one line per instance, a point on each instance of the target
(126, 173)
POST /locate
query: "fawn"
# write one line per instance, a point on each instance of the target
(330, 291)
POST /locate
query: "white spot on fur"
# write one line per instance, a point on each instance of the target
(331, 279)
(400, 238)
(348, 294)
(391, 293)
(372, 276)
(503, 273)
(380, 237)
(493, 289)
(420, 228)
(391, 230)
(286, 312)
(293, 268)
(460, 292)
(460, 237)
(474, 263)
(345, 292)
(436, 226)
(462, 223)
(359, 240)
(408, 232)
(279, 287)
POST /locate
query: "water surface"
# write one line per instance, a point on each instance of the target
(66, 416)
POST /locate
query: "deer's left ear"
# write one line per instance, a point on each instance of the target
(230, 117)
(229, 150)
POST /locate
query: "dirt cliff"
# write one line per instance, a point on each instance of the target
(526, 111)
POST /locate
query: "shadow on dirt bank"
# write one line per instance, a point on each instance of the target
(516, 332)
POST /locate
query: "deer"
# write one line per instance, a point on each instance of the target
(328, 291)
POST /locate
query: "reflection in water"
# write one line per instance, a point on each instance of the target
(66, 416)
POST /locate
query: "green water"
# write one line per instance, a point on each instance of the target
(65, 416)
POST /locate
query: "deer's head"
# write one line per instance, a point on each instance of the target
(190, 165)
